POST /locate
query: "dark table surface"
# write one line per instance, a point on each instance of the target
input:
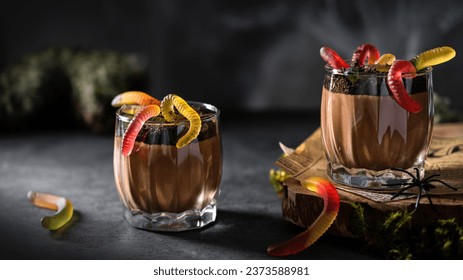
(78, 165)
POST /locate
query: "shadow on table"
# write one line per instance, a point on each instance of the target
(235, 235)
(252, 233)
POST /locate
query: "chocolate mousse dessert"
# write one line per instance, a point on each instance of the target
(364, 127)
(377, 115)
(159, 177)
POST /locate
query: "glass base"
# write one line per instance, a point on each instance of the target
(364, 178)
(165, 221)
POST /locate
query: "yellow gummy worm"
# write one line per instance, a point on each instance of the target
(61, 205)
(385, 59)
(329, 213)
(134, 98)
(167, 110)
(433, 57)
(384, 62)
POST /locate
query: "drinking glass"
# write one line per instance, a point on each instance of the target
(165, 188)
(368, 139)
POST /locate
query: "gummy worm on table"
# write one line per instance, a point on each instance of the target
(329, 213)
(63, 207)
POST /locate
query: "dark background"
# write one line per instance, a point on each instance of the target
(261, 57)
(252, 55)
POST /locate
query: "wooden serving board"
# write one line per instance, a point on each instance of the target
(301, 206)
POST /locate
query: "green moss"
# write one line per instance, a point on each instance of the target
(358, 222)
(395, 238)
(277, 177)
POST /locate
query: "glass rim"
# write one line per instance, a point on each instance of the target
(330, 70)
(215, 113)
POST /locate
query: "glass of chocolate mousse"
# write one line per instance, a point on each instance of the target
(165, 188)
(369, 140)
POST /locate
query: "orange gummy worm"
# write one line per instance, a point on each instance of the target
(61, 205)
(135, 125)
(319, 227)
(134, 98)
(167, 109)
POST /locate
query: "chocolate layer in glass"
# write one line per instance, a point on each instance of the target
(158, 180)
(366, 133)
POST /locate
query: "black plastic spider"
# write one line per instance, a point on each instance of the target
(423, 185)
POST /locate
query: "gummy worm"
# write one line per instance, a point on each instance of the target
(384, 62)
(394, 80)
(167, 109)
(433, 57)
(61, 205)
(362, 52)
(386, 59)
(332, 58)
(135, 125)
(134, 98)
(319, 227)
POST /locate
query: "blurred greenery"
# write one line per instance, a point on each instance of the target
(443, 111)
(61, 87)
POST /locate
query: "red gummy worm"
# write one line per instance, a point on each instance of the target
(362, 52)
(135, 125)
(332, 58)
(319, 227)
(397, 88)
